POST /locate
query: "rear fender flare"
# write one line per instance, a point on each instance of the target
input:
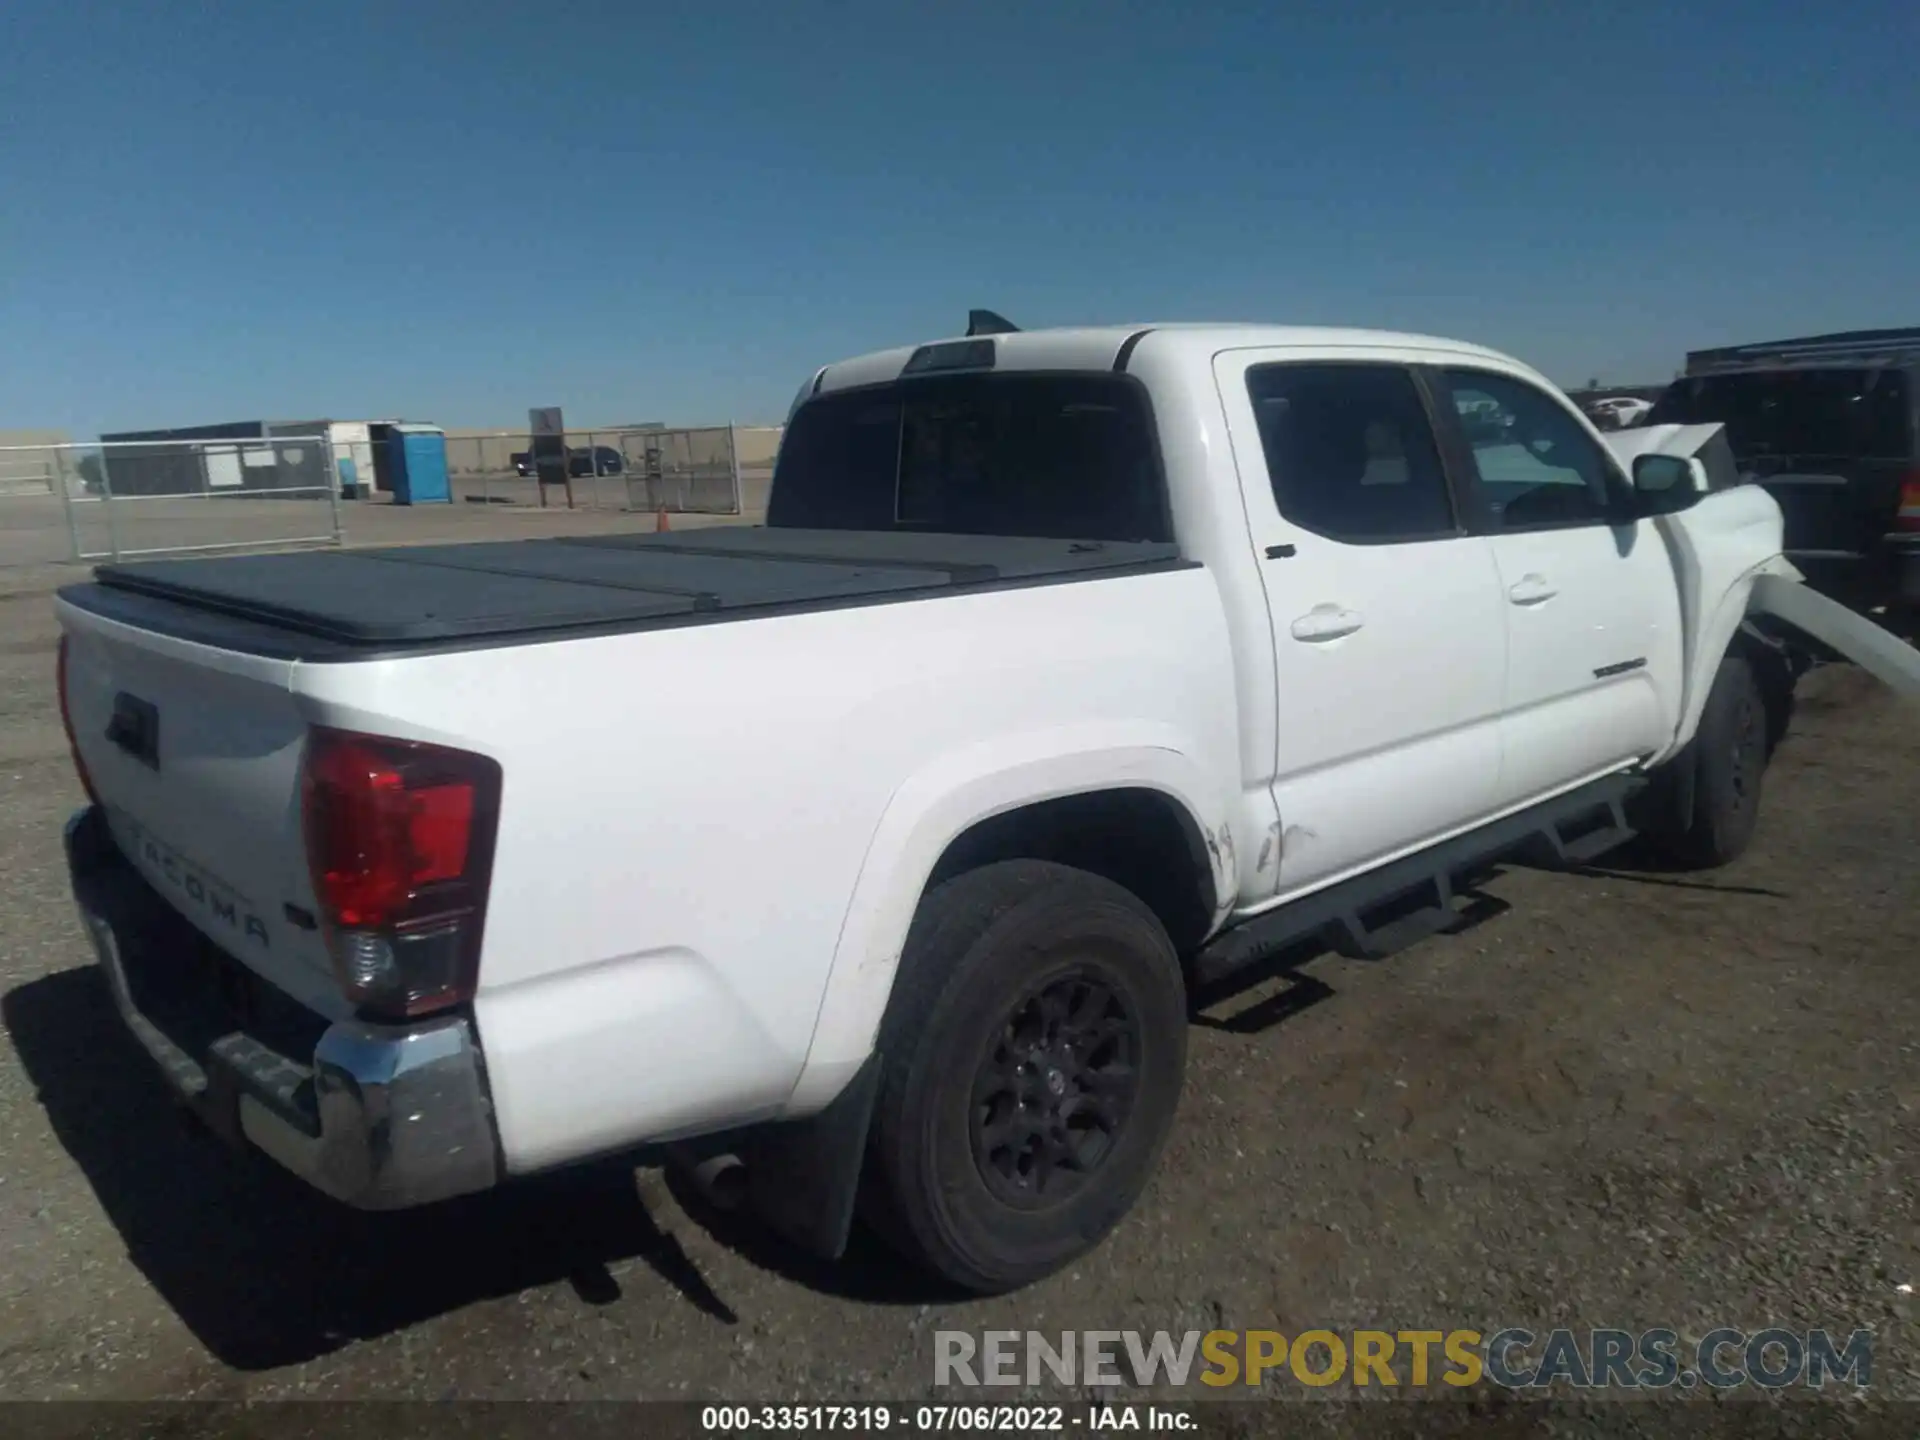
(942, 802)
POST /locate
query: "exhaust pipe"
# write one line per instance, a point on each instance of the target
(720, 1179)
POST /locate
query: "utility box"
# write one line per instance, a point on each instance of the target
(417, 461)
(351, 442)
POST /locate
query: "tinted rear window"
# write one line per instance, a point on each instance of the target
(1798, 412)
(1066, 457)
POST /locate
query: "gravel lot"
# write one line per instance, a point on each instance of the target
(1629, 1099)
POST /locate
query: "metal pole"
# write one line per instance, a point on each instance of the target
(733, 455)
(593, 466)
(106, 506)
(66, 498)
(332, 463)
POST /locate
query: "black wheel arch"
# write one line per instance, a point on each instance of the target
(1142, 839)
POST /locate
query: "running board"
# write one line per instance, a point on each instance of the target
(1570, 842)
(1383, 911)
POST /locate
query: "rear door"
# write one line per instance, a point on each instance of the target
(1387, 615)
(1594, 670)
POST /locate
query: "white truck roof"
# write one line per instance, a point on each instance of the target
(1097, 348)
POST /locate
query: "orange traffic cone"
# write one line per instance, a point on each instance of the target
(660, 525)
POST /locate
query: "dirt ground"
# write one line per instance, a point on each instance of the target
(1629, 1099)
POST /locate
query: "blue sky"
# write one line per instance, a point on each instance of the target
(454, 211)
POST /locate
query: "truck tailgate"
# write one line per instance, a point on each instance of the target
(194, 753)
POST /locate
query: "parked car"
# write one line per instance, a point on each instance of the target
(1828, 426)
(1618, 412)
(582, 462)
(1071, 671)
(1482, 418)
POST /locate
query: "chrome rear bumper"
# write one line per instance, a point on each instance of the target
(380, 1117)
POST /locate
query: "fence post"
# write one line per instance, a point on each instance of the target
(733, 457)
(593, 467)
(66, 497)
(330, 463)
(106, 508)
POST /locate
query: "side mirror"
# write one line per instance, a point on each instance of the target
(1664, 484)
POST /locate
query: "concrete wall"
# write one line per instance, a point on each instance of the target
(756, 444)
(32, 472)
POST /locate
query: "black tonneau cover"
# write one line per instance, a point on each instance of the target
(423, 596)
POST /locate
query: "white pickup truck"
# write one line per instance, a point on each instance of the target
(881, 846)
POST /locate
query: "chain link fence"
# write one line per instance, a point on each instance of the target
(134, 497)
(686, 471)
(131, 499)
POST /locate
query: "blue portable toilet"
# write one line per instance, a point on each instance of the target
(417, 455)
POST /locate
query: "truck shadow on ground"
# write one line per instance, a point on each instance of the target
(266, 1272)
(869, 1272)
(1637, 864)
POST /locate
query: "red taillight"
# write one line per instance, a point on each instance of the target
(400, 846)
(1908, 515)
(66, 723)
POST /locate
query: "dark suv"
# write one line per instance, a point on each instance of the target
(598, 460)
(581, 462)
(1829, 425)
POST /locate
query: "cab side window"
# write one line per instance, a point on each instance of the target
(1350, 452)
(1535, 466)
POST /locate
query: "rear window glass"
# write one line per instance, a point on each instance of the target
(1798, 412)
(1064, 457)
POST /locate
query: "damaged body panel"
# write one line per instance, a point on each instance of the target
(1873, 648)
(1721, 532)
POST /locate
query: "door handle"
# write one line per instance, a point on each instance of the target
(1326, 622)
(1531, 590)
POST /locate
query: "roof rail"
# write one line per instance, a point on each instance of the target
(1864, 346)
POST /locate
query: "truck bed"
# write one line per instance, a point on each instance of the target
(340, 605)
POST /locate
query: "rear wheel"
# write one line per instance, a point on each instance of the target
(1033, 1052)
(1728, 755)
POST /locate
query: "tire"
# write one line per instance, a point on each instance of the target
(1729, 755)
(958, 1178)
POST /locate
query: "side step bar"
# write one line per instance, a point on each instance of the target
(1386, 910)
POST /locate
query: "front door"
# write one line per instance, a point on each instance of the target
(1388, 616)
(1594, 637)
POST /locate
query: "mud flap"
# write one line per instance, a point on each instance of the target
(803, 1176)
(1877, 651)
